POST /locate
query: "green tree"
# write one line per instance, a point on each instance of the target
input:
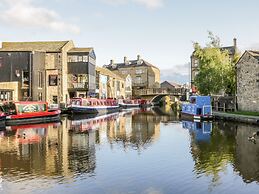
(216, 68)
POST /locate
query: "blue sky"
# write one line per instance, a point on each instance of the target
(161, 31)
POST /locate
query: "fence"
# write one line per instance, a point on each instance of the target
(224, 103)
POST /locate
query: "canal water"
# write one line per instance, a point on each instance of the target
(146, 152)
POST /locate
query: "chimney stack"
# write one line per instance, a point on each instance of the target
(138, 57)
(125, 60)
(235, 42)
(112, 61)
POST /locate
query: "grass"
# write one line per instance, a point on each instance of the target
(246, 113)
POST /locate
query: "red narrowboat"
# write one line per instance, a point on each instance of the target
(19, 113)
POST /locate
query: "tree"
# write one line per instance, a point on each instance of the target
(216, 68)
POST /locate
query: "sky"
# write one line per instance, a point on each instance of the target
(161, 31)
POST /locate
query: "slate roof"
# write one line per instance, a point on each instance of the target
(77, 49)
(255, 54)
(176, 85)
(231, 49)
(47, 46)
(131, 63)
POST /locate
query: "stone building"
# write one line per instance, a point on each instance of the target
(109, 84)
(247, 76)
(41, 71)
(232, 50)
(172, 87)
(144, 75)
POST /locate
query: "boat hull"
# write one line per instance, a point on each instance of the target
(52, 117)
(93, 110)
(125, 106)
(2, 122)
(191, 117)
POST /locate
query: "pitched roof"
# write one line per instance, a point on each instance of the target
(77, 49)
(107, 72)
(47, 46)
(231, 49)
(255, 54)
(176, 85)
(131, 63)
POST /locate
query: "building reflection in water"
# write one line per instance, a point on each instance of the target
(228, 145)
(136, 129)
(68, 149)
(212, 150)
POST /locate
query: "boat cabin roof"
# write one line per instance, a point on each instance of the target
(200, 100)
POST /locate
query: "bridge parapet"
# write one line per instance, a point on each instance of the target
(150, 91)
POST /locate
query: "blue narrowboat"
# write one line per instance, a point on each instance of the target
(199, 108)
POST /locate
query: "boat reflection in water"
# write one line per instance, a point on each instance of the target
(200, 130)
(86, 123)
(30, 133)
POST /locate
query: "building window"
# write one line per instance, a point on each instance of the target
(139, 71)
(138, 80)
(40, 96)
(85, 58)
(55, 99)
(40, 79)
(118, 86)
(124, 72)
(53, 80)
(1, 61)
(122, 85)
(25, 79)
(80, 58)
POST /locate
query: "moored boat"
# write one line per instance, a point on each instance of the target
(133, 103)
(29, 112)
(93, 106)
(199, 108)
(2, 119)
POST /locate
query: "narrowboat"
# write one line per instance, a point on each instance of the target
(2, 119)
(133, 103)
(199, 108)
(93, 106)
(29, 112)
(128, 104)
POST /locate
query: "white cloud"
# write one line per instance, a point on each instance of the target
(150, 4)
(25, 14)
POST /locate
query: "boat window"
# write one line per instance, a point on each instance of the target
(29, 108)
(193, 100)
(85, 103)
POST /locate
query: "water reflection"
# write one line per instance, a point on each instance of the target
(91, 151)
(200, 131)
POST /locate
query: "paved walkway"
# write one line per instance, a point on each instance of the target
(236, 117)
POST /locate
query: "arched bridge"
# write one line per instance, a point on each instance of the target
(155, 95)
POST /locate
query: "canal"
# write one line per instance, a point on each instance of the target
(149, 152)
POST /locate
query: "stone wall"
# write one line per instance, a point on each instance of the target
(247, 83)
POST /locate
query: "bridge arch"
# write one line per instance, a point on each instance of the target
(158, 97)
